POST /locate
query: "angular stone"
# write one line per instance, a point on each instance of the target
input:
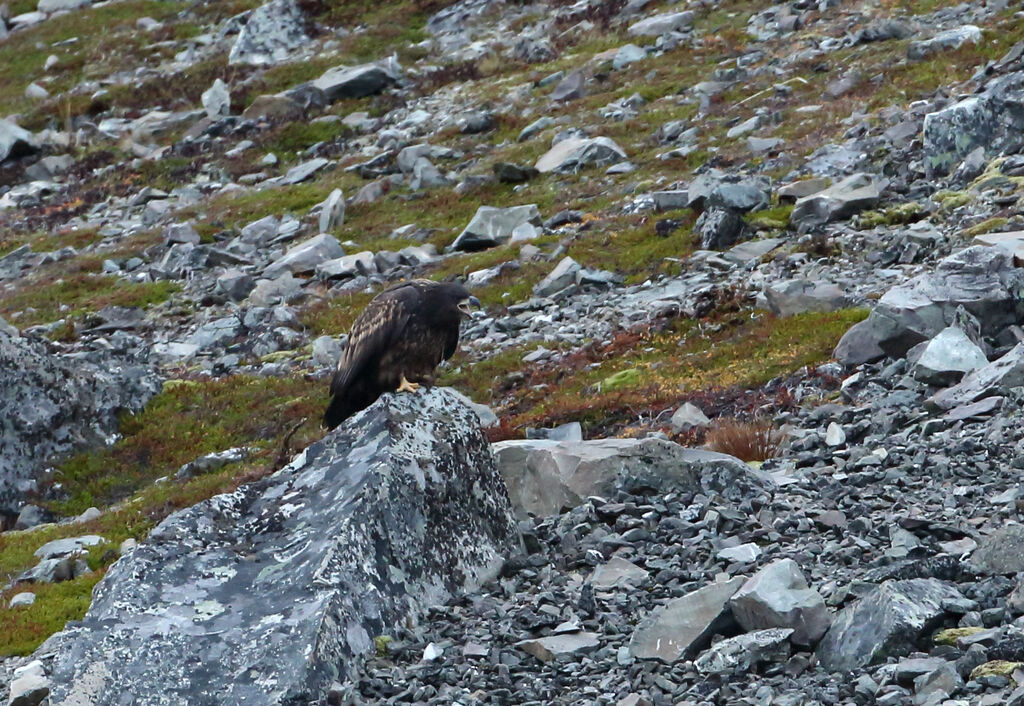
(688, 416)
(547, 648)
(571, 87)
(276, 108)
(657, 25)
(562, 276)
(290, 601)
(68, 546)
(799, 296)
(347, 267)
(304, 257)
(22, 599)
(996, 378)
(628, 54)
(181, 233)
(543, 476)
(839, 201)
(777, 596)
(15, 141)
(1001, 552)
(948, 357)
(332, 211)
(235, 284)
(217, 100)
(681, 627)
(888, 622)
(304, 170)
(617, 572)
(790, 193)
(492, 226)
(740, 654)
(574, 154)
(980, 279)
(270, 33)
(944, 41)
(354, 81)
(30, 685)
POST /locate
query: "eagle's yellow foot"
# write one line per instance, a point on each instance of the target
(406, 386)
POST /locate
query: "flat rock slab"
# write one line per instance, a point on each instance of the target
(547, 648)
(683, 625)
(888, 622)
(264, 595)
(544, 475)
(1012, 242)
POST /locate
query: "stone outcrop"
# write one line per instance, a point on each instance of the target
(52, 405)
(266, 595)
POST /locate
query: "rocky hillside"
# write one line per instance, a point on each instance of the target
(788, 232)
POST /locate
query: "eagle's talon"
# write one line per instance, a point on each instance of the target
(406, 386)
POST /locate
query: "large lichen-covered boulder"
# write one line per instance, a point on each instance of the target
(52, 405)
(267, 594)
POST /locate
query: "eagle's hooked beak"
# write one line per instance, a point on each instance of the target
(465, 304)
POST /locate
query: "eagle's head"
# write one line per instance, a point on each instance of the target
(461, 297)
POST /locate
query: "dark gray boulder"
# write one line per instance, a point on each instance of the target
(268, 594)
(888, 622)
(980, 279)
(52, 405)
(992, 119)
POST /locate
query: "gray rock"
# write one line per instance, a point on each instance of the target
(544, 476)
(790, 193)
(32, 516)
(995, 378)
(30, 685)
(548, 648)
(991, 119)
(574, 154)
(628, 54)
(980, 279)
(509, 173)
(944, 41)
(777, 596)
(306, 256)
(571, 87)
(271, 32)
(15, 141)
(355, 81)
(276, 108)
(533, 51)
(332, 211)
(208, 463)
(51, 6)
(838, 202)
(617, 572)
(326, 351)
(426, 176)
(347, 267)
(562, 276)
(888, 622)
(291, 603)
(217, 100)
(1001, 552)
(948, 357)
(683, 626)
(54, 405)
(688, 416)
(719, 228)
(304, 170)
(492, 226)
(50, 167)
(834, 435)
(22, 599)
(798, 296)
(538, 125)
(657, 25)
(937, 685)
(740, 654)
(34, 91)
(235, 284)
(216, 333)
(180, 233)
(67, 547)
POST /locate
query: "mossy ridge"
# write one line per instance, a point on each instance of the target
(184, 422)
(745, 353)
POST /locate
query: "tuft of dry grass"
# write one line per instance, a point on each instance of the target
(754, 440)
